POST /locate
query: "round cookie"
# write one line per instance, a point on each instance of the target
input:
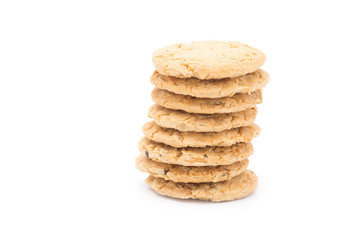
(236, 103)
(178, 173)
(179, 139)
(190, 156)
(208, 60)
(198, 122)
(238, 187)
(212, 88)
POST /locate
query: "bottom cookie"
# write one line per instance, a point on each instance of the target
(237, 187)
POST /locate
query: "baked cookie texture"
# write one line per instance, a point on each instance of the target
(178, 173)
(215, 88)
(192, 156)
(197, 122)
(198, 144)
(208, 60)
(179, 139)
(237, 187)
(238, 102)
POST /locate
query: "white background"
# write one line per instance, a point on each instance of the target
(75, 91)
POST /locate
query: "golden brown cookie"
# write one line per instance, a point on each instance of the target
(198, 122)
(238, 187)
(192, 156)
(238, 102)
(178, 173)
(179, 139)
(211, 88)
(208, 60)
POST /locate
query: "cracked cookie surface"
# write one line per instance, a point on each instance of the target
(208, 59)
(197, 122)
(238, 187)
(178, 173)
(238, 102)
(215, 88)
(192, 156)
(179, 139)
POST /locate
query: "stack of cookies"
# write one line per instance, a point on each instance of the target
(199, 141)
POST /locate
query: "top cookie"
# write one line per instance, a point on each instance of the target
(208, 60)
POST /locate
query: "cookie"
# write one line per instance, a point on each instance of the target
(190, 156)
(208, 60)
(236, 103)
(178, 173)
(179, 139)
(212, 88)
(238, 187)
(198, 122)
